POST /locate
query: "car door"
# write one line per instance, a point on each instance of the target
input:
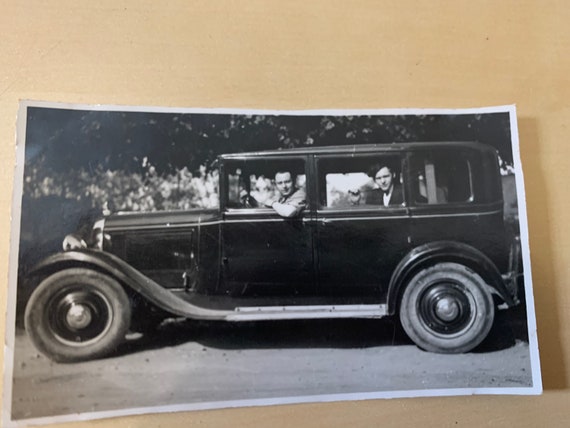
(359, 240)
(265, 255)
(456, 196)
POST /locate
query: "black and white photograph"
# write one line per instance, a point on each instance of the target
(176, 259)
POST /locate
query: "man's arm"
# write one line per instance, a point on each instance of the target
(287, 210)
(292, 207)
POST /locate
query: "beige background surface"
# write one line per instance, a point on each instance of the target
(325, 54)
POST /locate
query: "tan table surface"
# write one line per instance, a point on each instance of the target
(325, 54)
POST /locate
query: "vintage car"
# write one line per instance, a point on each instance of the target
(440, 257)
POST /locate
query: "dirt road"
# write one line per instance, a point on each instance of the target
(188, 362)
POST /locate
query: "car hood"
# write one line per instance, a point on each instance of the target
(129, 221)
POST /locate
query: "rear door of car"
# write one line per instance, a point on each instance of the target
(358, 243)
(455, 195)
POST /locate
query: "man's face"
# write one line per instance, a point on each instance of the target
(383, 179)
(284, 183)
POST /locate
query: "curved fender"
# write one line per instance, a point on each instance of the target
(134, 279)
(445, 251)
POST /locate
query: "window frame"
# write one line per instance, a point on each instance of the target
(396, 157)
(279, 160)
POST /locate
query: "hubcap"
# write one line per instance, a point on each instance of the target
(446, 308)
(78, 316)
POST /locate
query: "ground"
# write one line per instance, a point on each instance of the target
(190, 362)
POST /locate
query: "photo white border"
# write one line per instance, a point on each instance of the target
(9, 343)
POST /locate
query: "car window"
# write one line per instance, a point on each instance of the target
(372, 181)
(441, 179)
(250, 182)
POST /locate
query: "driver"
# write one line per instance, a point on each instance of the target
(291, 200)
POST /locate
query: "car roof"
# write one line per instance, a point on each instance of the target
(361, 148)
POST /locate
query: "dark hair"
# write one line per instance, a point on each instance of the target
(286, 171)
(373, 170)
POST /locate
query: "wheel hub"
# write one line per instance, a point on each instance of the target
(447, 309)
(78, 316)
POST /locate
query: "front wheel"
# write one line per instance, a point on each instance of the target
(447, 308)
(77, 314)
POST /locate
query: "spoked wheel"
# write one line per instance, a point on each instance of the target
(447, 308)
(77, 314)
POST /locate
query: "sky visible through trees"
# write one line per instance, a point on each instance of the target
(59, 139)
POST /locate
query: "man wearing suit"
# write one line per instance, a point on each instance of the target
(387, 191)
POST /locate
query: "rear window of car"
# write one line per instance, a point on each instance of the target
(441, 178)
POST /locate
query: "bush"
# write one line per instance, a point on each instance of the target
(123, 191)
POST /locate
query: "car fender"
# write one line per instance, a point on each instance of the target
(445, 251)
(129, 277)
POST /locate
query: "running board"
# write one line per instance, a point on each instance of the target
(259, 313)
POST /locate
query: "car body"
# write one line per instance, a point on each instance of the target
(441, 260)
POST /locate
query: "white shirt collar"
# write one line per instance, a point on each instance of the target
(387, 196)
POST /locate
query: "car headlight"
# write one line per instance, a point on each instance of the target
(98, 234)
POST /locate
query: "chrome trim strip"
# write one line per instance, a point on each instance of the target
(299, 308)
(385, 217)
(157, 226)
(456, 215)
(411, 216)
(260, 220)
(307, 312)
(205, 223)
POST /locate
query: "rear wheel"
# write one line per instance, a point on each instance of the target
(447, 308)
(77, 314)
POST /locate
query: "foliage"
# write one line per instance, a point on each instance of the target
(142, 161)
(127, 191)
(63, 139)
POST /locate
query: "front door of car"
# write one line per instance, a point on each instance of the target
(361, 233)
(264, 255)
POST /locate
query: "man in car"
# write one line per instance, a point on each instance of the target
(292, 200)
(386, 190)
